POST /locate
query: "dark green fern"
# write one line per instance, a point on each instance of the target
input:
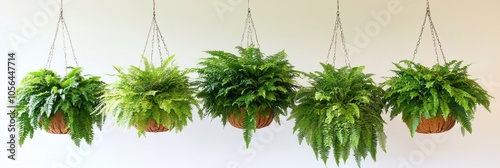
(42, 93)
(340, 113)
(442, 90)
(251, 80)
(161, 93)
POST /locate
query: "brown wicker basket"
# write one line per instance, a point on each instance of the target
(261, 120)
(435, 125)
(154, 127)
(58, 124)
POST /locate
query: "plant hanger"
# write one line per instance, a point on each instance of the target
(61, 24)
(434, 34)
(249, 31)
(340, 112)
(156, 38)
(336, 31)
(432, 99)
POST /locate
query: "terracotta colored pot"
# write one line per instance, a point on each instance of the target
(154, 127)
(435, 125)
(58, 124)
(261, 120)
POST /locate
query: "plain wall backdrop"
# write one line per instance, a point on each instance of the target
(112, 32)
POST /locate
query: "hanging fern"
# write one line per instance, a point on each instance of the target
(162, 93)
(340, 112)
(251, 81)
(443, 90)
(43, 93)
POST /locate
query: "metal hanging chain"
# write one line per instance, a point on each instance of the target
(156, 37)
(249, 31)
(434, 34)
(336, 31)
(64, 46)
(61, 23)
(436, 38)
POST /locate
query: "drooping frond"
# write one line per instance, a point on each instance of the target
(43, 93)
(442, 90)
(249, 80)
(162, 93)
(340, 112)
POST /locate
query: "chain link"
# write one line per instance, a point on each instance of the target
(249, 30)
(64, 46)
(419, 38)
(437, 38)
(152, 44)
(61, 23)
(71, 44)
(434, 34)
(51, 51)
(156, 37)
(434, 43)
(330, 48)
(333, 44)
(347, 60)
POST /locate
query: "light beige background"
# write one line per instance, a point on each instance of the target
(111, 32)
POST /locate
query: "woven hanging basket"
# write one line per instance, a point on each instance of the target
(154, 127)
(261, 121)
(58, 124)
(435, 125)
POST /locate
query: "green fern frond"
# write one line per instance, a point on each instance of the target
(442, 90)
(163, 93)
(249, 80)
(341, 111)
(42, 93)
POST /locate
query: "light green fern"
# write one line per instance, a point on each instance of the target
(162, 93)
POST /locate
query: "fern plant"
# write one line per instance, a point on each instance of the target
(442, 90)
(340, 112)
(43, 93)
(161, 93)
(251, 81)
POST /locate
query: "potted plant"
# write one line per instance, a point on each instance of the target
(249, 90)
(153, 99)
(432, 99)
(340, 111)
(59, 105)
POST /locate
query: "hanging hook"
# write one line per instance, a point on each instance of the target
(61, 9)
(248, 3)
(154, 8)
(428, 6)
(338, 6)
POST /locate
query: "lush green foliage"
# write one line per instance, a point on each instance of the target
(251, 80)
(42, 93)
(341, 110)
(161, 93)
(442, 90)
